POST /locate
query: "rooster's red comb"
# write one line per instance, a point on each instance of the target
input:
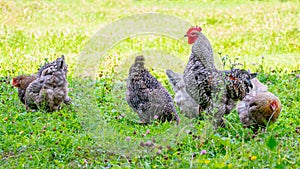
(194, 28)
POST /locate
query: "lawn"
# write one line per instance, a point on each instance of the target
(100, 40)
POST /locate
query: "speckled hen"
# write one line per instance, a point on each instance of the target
(147, 97)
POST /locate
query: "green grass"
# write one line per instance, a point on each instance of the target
(92, 131)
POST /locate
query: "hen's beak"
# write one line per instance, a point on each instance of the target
(186, 35)
(273, 106)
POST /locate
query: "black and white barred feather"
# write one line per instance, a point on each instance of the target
(215, 91)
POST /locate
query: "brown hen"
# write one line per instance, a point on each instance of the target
(22, 82)
(259, 108)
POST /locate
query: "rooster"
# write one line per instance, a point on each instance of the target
(146, 96)
(214, 90)
(185, 102)
(48, 88)
(259, 108)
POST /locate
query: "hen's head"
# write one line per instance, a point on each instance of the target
(275, 105)
(139, 61)
(176, 80)
(137, 67)
(16, 82)
(60, 62)
(192, 34)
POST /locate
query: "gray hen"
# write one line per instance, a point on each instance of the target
(50, 88)
(186, 103)
(146, 96)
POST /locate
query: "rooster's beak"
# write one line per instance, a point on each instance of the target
(186, 35)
